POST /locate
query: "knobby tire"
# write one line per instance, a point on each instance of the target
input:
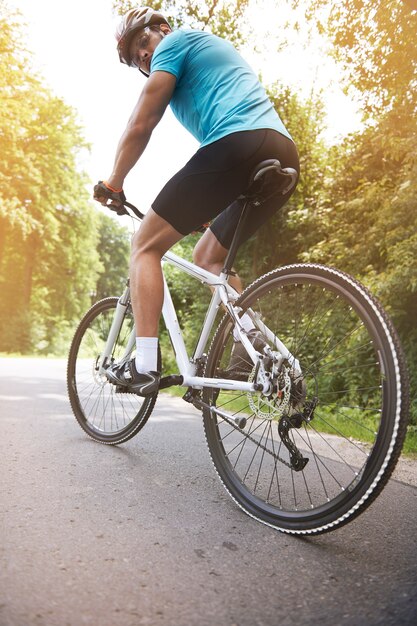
(352, 363)
(103, 412)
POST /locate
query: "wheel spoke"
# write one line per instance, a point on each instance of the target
(333, 408)
(104, 413)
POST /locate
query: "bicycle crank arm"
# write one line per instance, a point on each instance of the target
(170, 381)
(218, 383)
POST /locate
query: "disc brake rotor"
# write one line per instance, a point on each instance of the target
(275, 405)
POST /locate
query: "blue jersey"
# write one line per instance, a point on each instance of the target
(217, 93)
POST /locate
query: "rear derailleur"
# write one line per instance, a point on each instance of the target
(296, 420)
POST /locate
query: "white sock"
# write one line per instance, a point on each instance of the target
(146, 354)
(247, 324)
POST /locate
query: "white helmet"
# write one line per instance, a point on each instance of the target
(134, 20)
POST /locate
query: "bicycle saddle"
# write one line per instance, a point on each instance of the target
(271, 176)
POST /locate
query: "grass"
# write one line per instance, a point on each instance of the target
(324, 421)
(352, 426)
(410, 443)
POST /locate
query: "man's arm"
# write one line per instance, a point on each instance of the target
(148, 111)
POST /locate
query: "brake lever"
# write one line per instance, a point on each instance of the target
(134, 209)
(117, 208)
(121, 208)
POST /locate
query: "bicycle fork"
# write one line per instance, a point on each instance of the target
(119, 315)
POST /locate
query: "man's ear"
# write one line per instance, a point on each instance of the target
(165, 28)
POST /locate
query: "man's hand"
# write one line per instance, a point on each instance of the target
(103, 193)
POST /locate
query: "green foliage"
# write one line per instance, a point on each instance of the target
(355, 205)
(221, 17)
(297, 226)
(113, 248)
(371, 221)
(375, 42)
(48, 260)
(370, 213)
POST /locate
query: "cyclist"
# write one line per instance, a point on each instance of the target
(217, 97)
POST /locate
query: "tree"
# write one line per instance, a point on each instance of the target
(113, 249)
(375, 42)
(48, 258)
(297, 225)
(221, 17)
(371, 215)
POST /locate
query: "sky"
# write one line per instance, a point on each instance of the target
(74, 51)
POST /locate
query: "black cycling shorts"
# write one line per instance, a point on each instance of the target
(209, 184)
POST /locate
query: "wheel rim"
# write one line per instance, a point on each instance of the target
(104, 411)
(346, 368)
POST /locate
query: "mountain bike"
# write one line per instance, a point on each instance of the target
(310, 435)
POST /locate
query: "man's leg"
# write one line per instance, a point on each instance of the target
(211, 255)
(149, 244)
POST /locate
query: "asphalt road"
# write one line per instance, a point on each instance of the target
(145, 534)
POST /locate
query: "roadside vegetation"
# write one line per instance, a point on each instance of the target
(355, 207)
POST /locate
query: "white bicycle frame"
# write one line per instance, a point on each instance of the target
(223, 294)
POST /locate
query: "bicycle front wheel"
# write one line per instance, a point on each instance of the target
(105, 412)
(315, 452)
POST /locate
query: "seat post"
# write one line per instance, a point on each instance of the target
(231, 255)
(284, 181)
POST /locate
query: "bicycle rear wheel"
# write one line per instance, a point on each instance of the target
(105, 412)
(345, 415)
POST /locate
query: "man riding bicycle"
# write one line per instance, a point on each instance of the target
(217, 97)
